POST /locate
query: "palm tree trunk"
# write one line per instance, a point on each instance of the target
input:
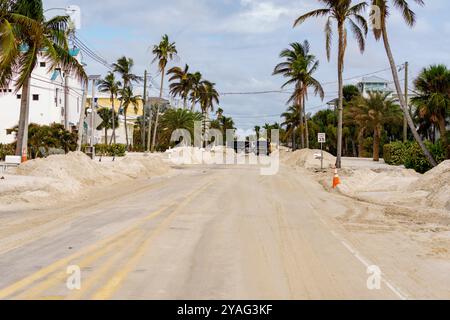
(443, 132)
(149, 137)
(157, 112)
(106, 135)
(155, 130)
(306, 123)
(360, 143)
(401, 98)
(204, 129)
(376, 144)
(126, 127)
(294, 143)
(113, 120)
(22, 134)
(302, 132)
(341, 55)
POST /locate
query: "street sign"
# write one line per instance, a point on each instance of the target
(322, 138)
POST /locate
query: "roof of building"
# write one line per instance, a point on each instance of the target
(373, 79)
(157, 101)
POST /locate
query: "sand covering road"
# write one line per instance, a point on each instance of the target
(307, 158)
(73, 173)
(400, 186)
(389, 186)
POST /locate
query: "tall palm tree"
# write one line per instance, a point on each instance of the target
(180, 83)
(433, 100)
(163, 52)
(257, 131)
(196, 88)
(382, 33)
(127, 99)
(111, 86)
(292, 122)
(25, 36)
(344, 14)
(373, 113)
(208, 98)
(299, 68)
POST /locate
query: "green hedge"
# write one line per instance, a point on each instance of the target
(117, 150)
(411, 156)
(394, 153)
(7, 150)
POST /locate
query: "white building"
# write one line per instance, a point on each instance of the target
(374, 84)
(46, 99)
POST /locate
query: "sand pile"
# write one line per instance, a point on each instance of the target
(437, 183)
(307, 158)
(398, 186)
(73, 173)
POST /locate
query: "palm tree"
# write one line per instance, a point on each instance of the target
(208, 97)
(128, 98)
(292, 122)
(110, 85)
(107, 121)
(344, 13)
(373, 113)
(299, 68)
(26, 35)
(381, 33)
(174, 119)
(196, 88)
(163, 52)
(257, 131)
(180, 83)
(433, 100)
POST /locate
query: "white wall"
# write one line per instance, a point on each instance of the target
(47, 109)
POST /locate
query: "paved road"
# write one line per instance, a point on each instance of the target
(207, 233)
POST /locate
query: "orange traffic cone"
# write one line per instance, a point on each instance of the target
(24, 156)
(336, 179)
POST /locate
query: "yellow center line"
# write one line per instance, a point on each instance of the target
(64, 262)
(101, 272)
(60, 277)
(116, 281)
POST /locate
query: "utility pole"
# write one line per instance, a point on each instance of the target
(82, 114)
(94, 79)
(144, 105)
(405, 122)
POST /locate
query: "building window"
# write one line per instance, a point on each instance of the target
(19, 96)
(43, 64)
(56, 96)
(35, 97)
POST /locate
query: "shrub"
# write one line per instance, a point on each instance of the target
(411, 156)
(394, 153)
(7, 150)
(105, 150)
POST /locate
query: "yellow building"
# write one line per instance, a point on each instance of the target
(132, 115)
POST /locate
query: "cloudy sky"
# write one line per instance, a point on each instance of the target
(235, 43)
